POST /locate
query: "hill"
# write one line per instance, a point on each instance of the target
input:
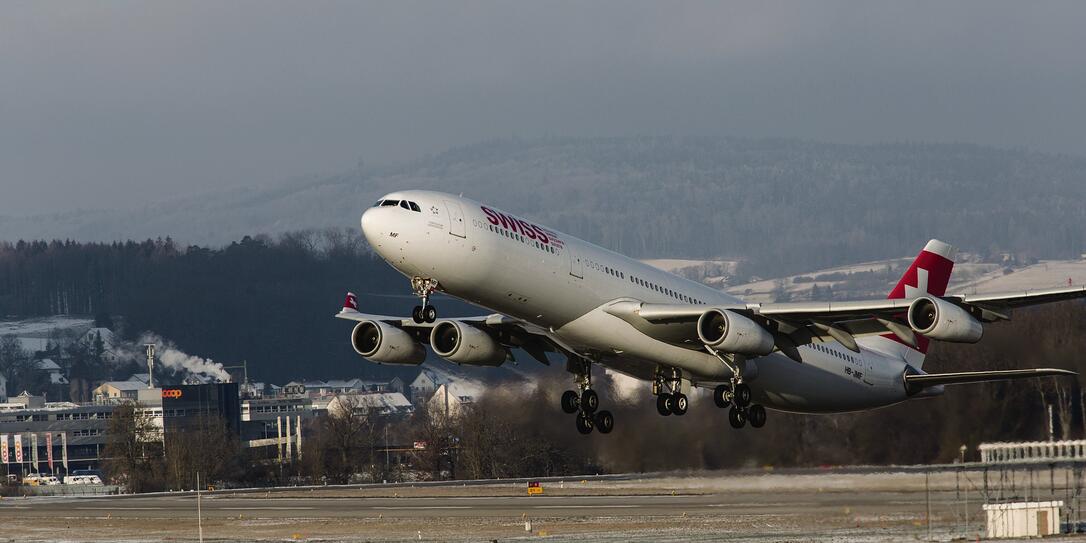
(783, 206)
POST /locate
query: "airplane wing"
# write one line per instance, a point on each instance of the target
(509, 332)
(799, 323)
(919, 381)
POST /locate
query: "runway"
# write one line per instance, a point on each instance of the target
(719, 506)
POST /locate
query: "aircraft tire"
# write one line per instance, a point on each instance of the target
(590, 401)
(720, 396)
(605, 422)
(416, 314)
(429, 313)
(570, 402)
(584, 424)
(742, 395)
(663, 404)
(737, 417)
(757, 416)
(679, 404)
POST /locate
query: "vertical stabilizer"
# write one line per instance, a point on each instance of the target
(929, 274)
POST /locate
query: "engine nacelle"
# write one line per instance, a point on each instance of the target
(386, 344)
(731, 332)
(462, 343)
(938, 319)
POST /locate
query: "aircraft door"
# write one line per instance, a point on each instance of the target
(576, 263)
(456, 219)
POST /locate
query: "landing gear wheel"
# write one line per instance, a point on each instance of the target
(756, 414)
(416, 314)
(605, 422)
(584, 424)
(570, 402)
(589, 401)
(737, 417)
(742, 395)
(663, 404)
(721, 396)
(679, 403)
(429, 313)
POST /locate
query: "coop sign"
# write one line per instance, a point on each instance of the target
(172, 393)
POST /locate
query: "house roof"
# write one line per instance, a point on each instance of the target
(124, 385)
(47, 364)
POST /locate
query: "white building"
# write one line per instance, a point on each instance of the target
(450, 397)
(1023, 519)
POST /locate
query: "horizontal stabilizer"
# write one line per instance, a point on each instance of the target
(924, 380)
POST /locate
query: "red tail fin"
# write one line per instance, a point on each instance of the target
(351, 302)
(928, 275)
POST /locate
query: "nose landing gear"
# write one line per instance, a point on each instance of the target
(423, 287)
(586, 403)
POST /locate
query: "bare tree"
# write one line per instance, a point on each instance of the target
(133, 451)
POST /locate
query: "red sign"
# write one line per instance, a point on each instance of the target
(171, 393)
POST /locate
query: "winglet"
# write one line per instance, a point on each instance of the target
(351, 302)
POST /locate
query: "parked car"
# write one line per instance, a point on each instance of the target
(82, 480)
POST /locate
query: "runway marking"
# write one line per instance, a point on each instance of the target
(414, 507)
(114, 508)
(604, 506)
(260, 508)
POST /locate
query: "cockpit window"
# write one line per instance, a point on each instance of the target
(403, 204)
(378, 204)
(388, 203)
(415, 207)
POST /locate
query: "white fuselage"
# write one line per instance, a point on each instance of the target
(513, 266)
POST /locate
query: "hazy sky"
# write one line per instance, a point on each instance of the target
(106, 104)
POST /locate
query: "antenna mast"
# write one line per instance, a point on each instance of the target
(150, 364)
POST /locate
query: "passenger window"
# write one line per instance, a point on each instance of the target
(415, 207)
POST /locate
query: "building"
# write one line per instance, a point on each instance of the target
(1023, 519)
(263, 418)
(186, 407)
(450, 398)
(380, 403)
(423, 386)
(118, 390)
(53, 370)
(76, 432)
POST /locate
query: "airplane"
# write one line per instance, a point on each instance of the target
(554, 293)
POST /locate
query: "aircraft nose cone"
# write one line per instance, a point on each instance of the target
(369, 226)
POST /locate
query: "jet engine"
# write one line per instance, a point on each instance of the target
(731, 332)
(938, 319)
(461, 343)
(386, 344)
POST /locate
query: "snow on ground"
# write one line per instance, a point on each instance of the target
(1044, 274)
(34, 334)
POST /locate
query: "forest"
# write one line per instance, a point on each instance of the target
(267, 301)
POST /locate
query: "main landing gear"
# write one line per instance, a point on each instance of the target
(668, 389)
(737, 395)
(423, 288)
(586, 403)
